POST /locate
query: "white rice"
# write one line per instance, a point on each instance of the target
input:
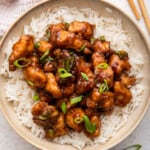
(18, 92)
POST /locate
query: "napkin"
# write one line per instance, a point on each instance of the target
(10, 10)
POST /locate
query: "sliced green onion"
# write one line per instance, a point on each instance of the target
(46, 53)
(89, 126)
(121, 54)
(21, 62)
(30, 82)
(66, 25)
(102, 38)
(63, 73)
(85, 77)
(64, 107)
(50, 131)
(48, 34)
(68, 63)
(41, 117)
(36, 97)
(76, 100)
(37, 45)
(78, 120)
(48, 59)
(92, 40)
(102, 66)
(104, 87)
(135, 147)
(82, 48)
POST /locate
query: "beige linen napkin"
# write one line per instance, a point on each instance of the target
(11, 9)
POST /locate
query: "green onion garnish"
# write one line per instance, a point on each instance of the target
(66, 25)
(102, 38)
(121, 54)
(63, 73)
(48, 59)
(36, 97)
(37, 45)
(76, 100)
(135, 147)
(41, 117)
(102, 66)
(104, 87)
(82, 48)
(21, 62)
(68, 63)
(78, 120)
(46, 53)
(30, 82)
(85, 77)
(89, 126)
(64, 107)
(50, 131)
(48, 34)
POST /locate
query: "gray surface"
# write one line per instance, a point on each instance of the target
(9, 140)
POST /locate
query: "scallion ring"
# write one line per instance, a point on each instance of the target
(121, 54)
(21, 62)
(85, 77)
(63, 73)
(89, 126)
(46, 53)
(76, 100)
(36, 97)
(78, 120)
(102, 66)
(102, 38)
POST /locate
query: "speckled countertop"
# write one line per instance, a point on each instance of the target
(9, 140)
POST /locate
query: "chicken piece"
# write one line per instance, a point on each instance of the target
(44, 96)
(35, 77)
(52, 86)
(43, 46)
(74, 119)
(34, 61)
(53, 29)
(107, 102)
(127, 80)
(58, 129)
(84, 84)
(95, 120)
(101, 47)
(102, 73)
(50, 66)
(122, 94)
(22, 48)
(84, 29)
(118, 65)
(68, 89)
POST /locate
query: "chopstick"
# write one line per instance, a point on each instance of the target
(145, 14)
(134, 9)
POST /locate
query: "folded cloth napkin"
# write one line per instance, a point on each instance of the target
(11, 9)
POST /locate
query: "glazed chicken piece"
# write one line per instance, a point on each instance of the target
(22, 48)
(35, 77)
(50, 66)
(122, 94)
(101, 47)
(68, 89)
(44, 96)
(84, 29)
(127, 80)
(102, 73)
(52, 86)
(95, 120)
(118, 64)
(58, 129)
(74, 119)
(44, 114)
(43, 46)
(84, 84)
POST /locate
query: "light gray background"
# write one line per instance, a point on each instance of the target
(9, 140)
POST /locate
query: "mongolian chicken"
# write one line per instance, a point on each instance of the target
(77, 78)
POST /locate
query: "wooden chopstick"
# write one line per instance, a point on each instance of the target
(134, 9)
(145, 14)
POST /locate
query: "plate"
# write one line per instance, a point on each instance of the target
(140, 45)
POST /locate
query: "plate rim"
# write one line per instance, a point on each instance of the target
(131, 20)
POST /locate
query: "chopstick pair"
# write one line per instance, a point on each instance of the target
(143, 10)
